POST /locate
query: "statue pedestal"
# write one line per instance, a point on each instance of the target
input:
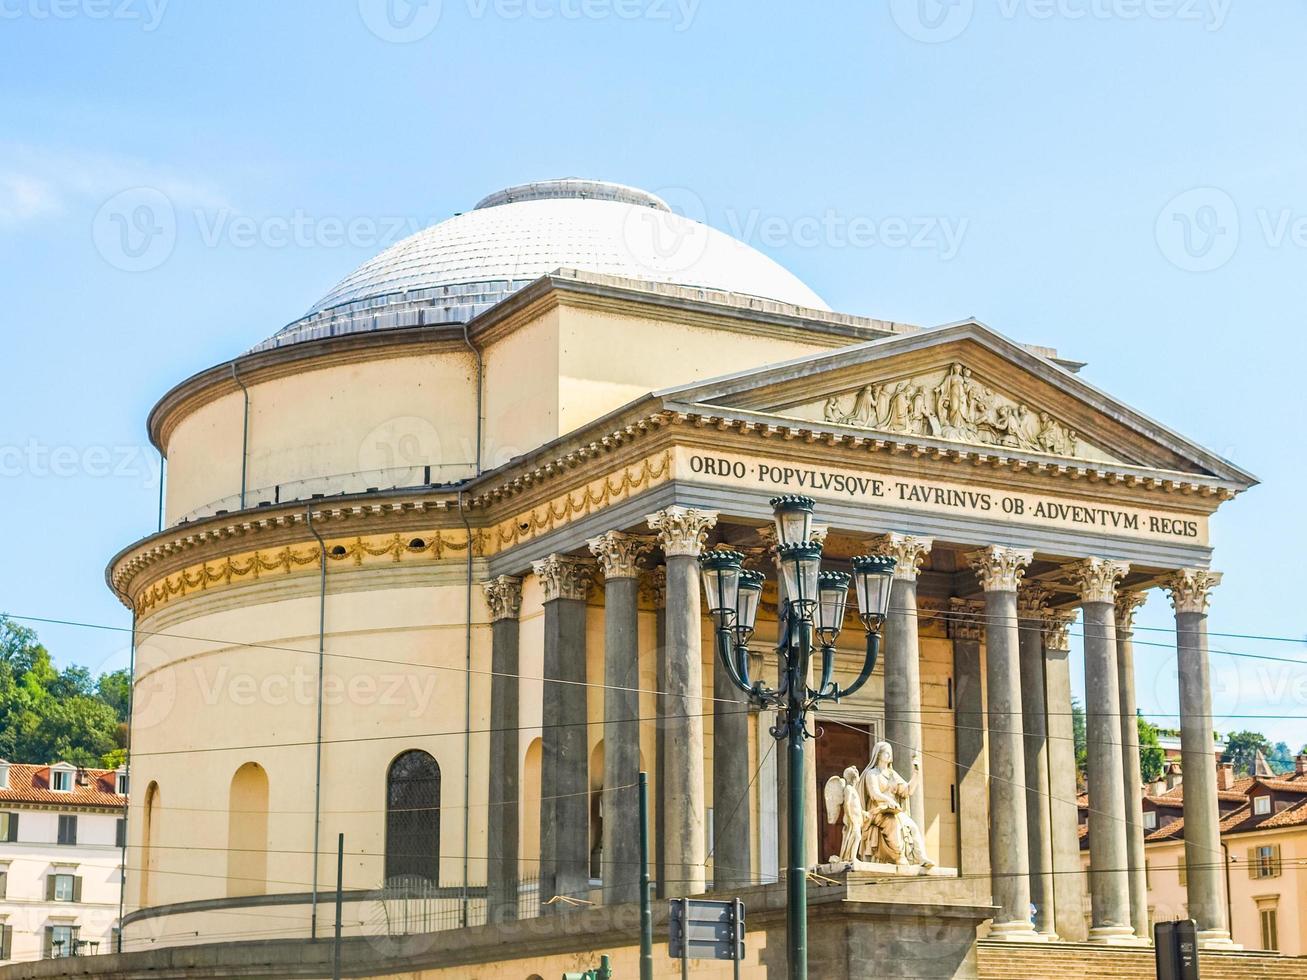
(862, 870)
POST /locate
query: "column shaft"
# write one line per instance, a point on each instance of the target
(621, 805)
(1130, 761)
(1038, 812)
(903, 685)
(1064, 815)
(660, 801)
(1109, 886)
(969, 740)
(730, 781)
(683, 760)
(1204, 859)
(504, 796)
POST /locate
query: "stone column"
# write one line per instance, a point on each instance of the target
(1032, 605)
(966, 627)
(564, 780)
(618, 556)
(504, 596)
(731, 776)
(999, 570)
(1064, 815)
(1190, 590)
(1109, 885)
(681, 534)
(1126, 604)
(656, 590)
(903, 657)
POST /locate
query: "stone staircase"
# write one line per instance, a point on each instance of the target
(1055, 961)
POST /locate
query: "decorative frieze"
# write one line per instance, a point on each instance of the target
(908, 551)
(1126, 604)
(504, 596)
(619, 554)
(1057, 629)
(999, 568)
(563, 577)
(682, 530)
(1095, 578)
(966, 620)
(1190, 589)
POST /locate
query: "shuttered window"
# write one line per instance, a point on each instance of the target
(1264, 861)
(8, 827)
(120, 833)
(6, 942)
(67, 828)
(1270, 929)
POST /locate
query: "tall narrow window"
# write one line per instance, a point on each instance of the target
(413, 817)
(247, 831)
(1270, 929)
(67, 828)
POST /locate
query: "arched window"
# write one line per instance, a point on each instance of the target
(247, 831)
(413, 817)
(149, 835)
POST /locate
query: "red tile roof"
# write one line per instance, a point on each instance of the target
(31, 784)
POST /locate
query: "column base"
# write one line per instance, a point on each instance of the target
(1016, 932)
(1217, 939)
(1115, 936)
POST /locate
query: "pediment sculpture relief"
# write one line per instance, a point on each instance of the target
(952, 405)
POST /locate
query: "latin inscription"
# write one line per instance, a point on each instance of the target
(926, 495)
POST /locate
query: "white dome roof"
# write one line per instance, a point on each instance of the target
(463, 266)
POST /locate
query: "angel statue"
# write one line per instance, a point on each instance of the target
(844, 796)
(891, 836)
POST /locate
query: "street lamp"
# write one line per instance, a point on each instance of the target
(813, 607)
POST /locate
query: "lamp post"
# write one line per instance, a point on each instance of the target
(813, 611)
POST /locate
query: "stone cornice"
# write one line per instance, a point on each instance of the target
(1190, 589)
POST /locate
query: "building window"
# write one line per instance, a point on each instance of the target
(1150, 820)
(1270, 929)
(120, 833)
(61, 780)
(67, 828)
(413, 817)
(63, 887)
(1261, 805)
(8, 827)
(60, 941)
(4, 774)
(1264, 861)
(6, 942)
(4, 882)
(120, 783)
(247, 831)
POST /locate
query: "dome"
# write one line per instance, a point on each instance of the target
(458, 268)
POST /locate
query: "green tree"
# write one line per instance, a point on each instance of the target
(115, 690)
(1281, 757)
(1241, 748)
(1080, 737)
(1152, 757)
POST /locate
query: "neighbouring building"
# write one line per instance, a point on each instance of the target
(426, 577)
(62, 832)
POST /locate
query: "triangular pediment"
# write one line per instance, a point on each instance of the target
(960, 384)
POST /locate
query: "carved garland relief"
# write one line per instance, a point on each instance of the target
(952, 404)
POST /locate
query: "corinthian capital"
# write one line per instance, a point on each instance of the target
(998, 568)
(504, 595)
(1190, 589)
(653, 587)
(563, 577)
(966, 619)
(619, 554)
(682, 530)
(1096, 578)
(1126, 604)
(1032, 601)
(907, 550)
(1057, 630)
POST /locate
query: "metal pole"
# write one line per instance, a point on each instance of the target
(685, 939)
(340, 874)
(796, 891)
(646, 909)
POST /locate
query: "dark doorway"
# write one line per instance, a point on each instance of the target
(841, 745)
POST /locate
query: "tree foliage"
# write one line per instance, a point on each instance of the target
(48, 715)
(1241, 748)
(1152, 757)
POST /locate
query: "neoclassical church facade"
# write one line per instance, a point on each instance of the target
(427, 579)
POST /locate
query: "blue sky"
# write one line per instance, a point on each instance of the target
(1120, 179)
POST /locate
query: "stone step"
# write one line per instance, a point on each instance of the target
(1055, 961)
